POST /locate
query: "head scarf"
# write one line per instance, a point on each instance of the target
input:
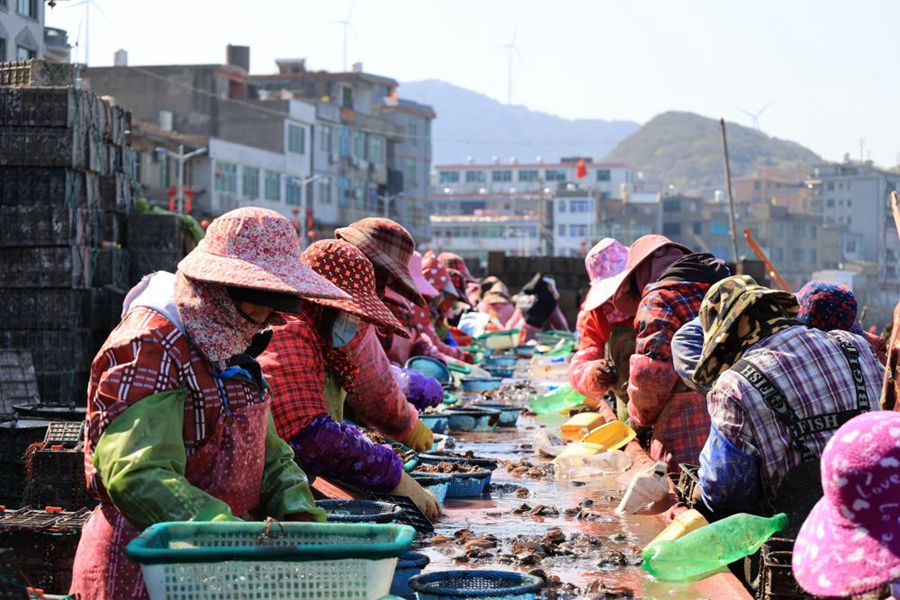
(828, 306)
(736, 313)
(536, 301)
(211, 319)
(700, 267)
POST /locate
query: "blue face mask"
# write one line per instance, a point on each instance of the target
(344, 329)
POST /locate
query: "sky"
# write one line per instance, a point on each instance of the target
(822, 73)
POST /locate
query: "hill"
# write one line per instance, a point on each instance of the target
(471, 124)
(685, 149)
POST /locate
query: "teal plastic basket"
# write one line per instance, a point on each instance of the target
(471, 583)
(283, 561)
(509, 415)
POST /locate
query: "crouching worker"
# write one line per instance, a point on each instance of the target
(311, 372)
(178, 421)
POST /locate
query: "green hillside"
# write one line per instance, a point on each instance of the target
(685, 149)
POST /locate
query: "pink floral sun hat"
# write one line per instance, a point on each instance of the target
(605, 264)
(436, 273)
(850, 542)
(255, 248)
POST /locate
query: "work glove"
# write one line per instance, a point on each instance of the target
(420, 439)
(423, 391)
(605, 374)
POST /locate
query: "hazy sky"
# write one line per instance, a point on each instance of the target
(826, 71)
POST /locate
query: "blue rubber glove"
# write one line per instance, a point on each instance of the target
(424, 391)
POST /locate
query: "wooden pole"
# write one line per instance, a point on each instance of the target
(734, 250)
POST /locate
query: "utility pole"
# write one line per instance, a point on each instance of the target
(180, 159)
(734, 249)
(303, 204)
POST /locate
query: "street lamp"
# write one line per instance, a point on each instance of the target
(180, 158)
(304, 181)
(387, 202)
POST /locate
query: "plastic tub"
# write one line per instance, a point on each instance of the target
(471, 583)
(613, 436)
(500, 361)
(360, 511)
(501, 372)
(480, 384)
(409, 565)
(435, 422)
(525, 351)
(430, 366)
(508, 414)
(436, 483)
(499, 340)
(468, 485)
(472, 419)
(207, 561)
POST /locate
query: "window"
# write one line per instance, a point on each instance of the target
(346, 97)
(851, 246)
(672, 206)
(671, 229)
(578, 231)
(324, 192)
(797, 255)
(23, 53)
(226, 177)
(28, 8)
(561, 230)
(812, 232)
(296, 139)
(475, 177)
(718, 228)
(530, 175)
(344, 141)
(562, 206)
(603, 175)
(757, 185)
(449, 177)
(555, 174)
(376, 150)
(164, 172)
(698, 228)
(325, 138)
(501, 176)
(2, 49)
(412, 131)
(579, 206)
(345, 192)
(359, 144)
(829, 186)
(812, 257)
(778, 254)
(273, 186)
(251, 183)
(410, 174)
(798, 231)
(292, 192)
(829, 203)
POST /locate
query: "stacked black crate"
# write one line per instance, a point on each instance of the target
(65, 191)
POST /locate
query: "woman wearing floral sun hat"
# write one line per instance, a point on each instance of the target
(311, 372)
(178, 420)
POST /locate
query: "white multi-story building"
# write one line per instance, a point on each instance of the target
(21, 29)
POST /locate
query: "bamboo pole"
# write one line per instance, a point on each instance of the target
(734, 249)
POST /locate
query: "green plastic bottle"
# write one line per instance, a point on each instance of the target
(708, 548)
(556, 400)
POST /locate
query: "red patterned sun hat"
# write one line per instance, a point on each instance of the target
(436, 273)
(347, 267)
(389, 246)
(255, 248)
(457, 262)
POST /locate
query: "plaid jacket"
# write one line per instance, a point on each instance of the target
(807, 365)
(144, 355)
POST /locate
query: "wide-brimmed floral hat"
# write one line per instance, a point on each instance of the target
(605, 265)
(725, 303)
(255, 248)
(389, 246)
(627, 297)
(436, 273)
(850, 543)
(346, 266)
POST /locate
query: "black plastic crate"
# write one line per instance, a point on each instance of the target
(49, 225)
(12, 485)
(60, 351)
(37, 106)
(17, 435)
(64, 388)
(45, 147)
(12, 586)
(67, 434)
(56, 478)
(776, 579)
(29, 186)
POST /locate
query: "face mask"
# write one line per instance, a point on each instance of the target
(344, 329)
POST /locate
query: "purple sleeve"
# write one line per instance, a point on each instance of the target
(339, 450)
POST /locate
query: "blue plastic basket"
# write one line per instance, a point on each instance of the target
(360, 511)
(409, 565)
(428, 458)
(468, 485)
(480, 384)
(435, 422)
(508, 414)
(501, 372)
(500, 361)
(472, 419)
(436, 483)
(471, 583)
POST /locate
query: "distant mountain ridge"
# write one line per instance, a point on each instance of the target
(470, 124)
(679, 148)
(685, 149)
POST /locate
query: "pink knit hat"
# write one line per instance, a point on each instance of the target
(605, 264)
(850, 543)
(255, 248)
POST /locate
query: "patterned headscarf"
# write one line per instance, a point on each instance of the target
(828, 306)
(736, 313)
(211, 319)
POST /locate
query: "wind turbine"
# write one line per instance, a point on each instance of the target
(755, 116)
(346, 24)
(512, 48)
(87, 24)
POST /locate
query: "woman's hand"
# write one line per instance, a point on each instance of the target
(423, 499)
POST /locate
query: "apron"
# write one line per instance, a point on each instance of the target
(334, 397)
(681, 430)
(228, 466)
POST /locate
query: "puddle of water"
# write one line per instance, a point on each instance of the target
(625, 534)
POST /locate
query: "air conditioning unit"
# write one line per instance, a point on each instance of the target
(363, 164)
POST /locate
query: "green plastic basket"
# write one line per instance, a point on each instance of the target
(212, 561)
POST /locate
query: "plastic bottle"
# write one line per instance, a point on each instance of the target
(646, 487)
(547, 366)
(681, 525)
(556, 400)
(711, 547)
